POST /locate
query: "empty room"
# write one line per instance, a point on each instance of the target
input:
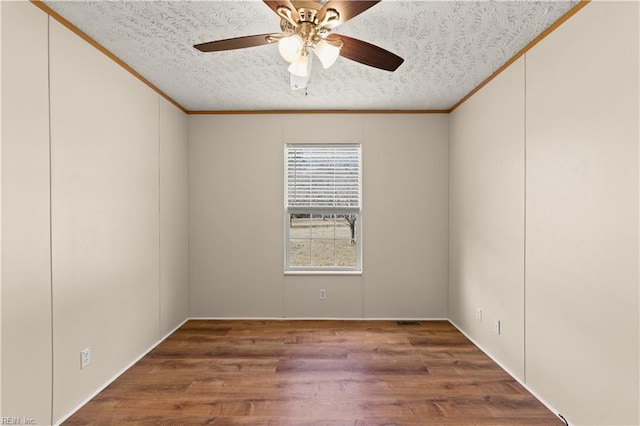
(320, 212)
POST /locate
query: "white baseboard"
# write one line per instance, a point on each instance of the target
(505, 368)
(112, 379)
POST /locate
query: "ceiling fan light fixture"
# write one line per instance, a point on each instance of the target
(308, 27)
(327, 53)
(291, 47)
(301, 66)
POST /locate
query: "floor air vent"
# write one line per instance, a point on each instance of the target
(408, 322)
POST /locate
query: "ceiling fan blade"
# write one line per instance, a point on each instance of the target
(346, 8)
(237, 42)
(367, 53)
(274, 4)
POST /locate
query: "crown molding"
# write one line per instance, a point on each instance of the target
(323, 111)
(524, 50)
(52, 13)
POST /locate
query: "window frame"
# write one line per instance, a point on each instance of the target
(288, 211)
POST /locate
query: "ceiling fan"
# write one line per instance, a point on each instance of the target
(306, 26)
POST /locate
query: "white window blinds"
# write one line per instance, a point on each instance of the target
(323, 176)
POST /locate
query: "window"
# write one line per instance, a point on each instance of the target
(323, 208)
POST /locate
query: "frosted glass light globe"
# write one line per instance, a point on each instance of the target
(327, 53)
(291, 47)
(300, 67)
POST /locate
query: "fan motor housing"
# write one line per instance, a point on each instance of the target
(308, 21)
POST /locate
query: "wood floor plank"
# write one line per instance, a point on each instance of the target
(242, 372)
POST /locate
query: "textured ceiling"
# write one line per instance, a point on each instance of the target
(449, 48)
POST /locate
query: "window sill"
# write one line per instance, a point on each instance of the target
(323, 272)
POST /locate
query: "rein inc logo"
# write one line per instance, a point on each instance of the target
(17, 421)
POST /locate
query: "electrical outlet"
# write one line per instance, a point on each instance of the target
(479, 315)
(85, 358)
(496, 326)
(323, 294)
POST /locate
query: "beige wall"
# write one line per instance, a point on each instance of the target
(237, 218)
(104, 214)
(405, 162)
(582, 216)
(486, 199)
(26, 273)
(174, 218)
(579, 341)
(118, 199)
(232, 160)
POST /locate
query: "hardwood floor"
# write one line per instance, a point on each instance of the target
(315, 373)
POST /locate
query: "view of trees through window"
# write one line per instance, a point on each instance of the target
(323, 240)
